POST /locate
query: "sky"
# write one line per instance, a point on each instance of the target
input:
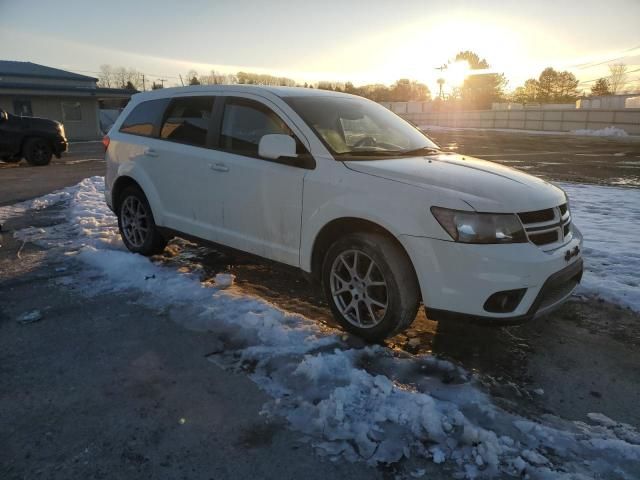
(373, 41)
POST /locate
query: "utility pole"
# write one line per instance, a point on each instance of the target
(162, 80)
(144, 88)
(180, 75)
(441, 80)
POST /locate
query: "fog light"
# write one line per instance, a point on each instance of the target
(505, 301)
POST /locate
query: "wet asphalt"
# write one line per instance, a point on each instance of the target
(528, 357)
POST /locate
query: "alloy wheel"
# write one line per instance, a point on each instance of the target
(359, 289)
(135, 221)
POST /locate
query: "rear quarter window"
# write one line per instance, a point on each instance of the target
(145, 118)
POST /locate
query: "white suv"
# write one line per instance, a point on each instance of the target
(347, 191)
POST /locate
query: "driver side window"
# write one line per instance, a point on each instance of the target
(245, 122)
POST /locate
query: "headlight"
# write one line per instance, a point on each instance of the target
(472, 227)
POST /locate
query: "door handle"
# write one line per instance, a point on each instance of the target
(150, 152)
(218, 167)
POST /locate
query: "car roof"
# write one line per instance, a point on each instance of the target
(274, 90)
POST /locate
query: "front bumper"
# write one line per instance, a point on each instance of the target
(457, 279)
(555, 291)
(60, 146)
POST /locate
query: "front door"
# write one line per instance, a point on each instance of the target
(262, 199)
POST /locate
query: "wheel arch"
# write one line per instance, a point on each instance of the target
(119, 186)
(128, 176)
(339, 227)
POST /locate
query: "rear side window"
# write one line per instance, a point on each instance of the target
(187, 120)
(145, 118)
(245, 122)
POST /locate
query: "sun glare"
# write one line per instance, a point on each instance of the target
(456, 72)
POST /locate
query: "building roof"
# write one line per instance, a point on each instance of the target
(10, 68)
(67, 90)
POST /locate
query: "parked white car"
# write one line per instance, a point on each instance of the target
(347, 191)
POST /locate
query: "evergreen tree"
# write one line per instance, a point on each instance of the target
(480, 90)
(600, 88)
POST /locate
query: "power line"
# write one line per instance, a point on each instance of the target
(594, 79)
(582, 66)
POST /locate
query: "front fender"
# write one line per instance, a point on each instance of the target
(398, 208)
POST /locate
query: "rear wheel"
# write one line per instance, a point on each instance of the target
(370, 285)
(38, 152)
(137, 226)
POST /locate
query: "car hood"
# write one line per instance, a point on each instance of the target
(40, 123)
(484, 185)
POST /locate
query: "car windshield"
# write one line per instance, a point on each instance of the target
(354, 128)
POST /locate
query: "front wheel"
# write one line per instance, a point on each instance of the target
(38, 152)
(370, 285)
(137, 226)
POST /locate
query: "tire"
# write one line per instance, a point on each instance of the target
(136, 224)
(37, 151)
(355, 308)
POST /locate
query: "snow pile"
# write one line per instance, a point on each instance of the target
(39, 203)
(224, 280)
(609, 218)
(603, 132)
(367, 404)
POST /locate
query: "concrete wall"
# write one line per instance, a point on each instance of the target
(608, 102)
(547, 120)
(533, 106)
(88, 128)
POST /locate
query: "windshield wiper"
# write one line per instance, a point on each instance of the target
(390, 153)
(368, 153)
(416, 151)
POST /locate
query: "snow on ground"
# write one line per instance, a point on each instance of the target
(604, 132)
(36, 204)
(609, 219)
(363, 404)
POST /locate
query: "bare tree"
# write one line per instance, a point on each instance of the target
(192, 78)
(217, 78)
(618, 77)
(106, 77)
(119, 77)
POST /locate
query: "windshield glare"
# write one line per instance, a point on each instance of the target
(352, 127)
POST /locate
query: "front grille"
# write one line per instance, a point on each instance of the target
(538, 216)
(548, 227)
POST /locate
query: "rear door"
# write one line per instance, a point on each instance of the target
(182, 161)
(262, 199)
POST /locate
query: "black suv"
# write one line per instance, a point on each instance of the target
(35, 139)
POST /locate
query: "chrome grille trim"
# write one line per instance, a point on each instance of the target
(541, 233)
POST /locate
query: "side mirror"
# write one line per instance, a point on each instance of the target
(275, 146)
(3, 116)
